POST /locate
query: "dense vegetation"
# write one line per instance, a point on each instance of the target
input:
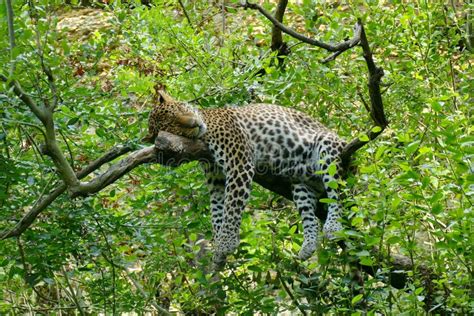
(138, 244)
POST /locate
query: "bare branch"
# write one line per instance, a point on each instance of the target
(185, 12)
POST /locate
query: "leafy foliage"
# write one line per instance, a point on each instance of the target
(143, 239)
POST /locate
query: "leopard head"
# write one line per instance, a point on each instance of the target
(174, 117)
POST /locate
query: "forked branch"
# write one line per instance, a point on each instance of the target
(375, 75)
(336, 48)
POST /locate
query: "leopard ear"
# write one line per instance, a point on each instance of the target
(164, 97)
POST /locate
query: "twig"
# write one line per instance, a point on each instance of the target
(290, 294)
(27, 271)
(185, 12)
(223, 21)
(190, 54)
(27, 99)
(361, 96)
(139, 287)
(73, 295)
(11, 35)
(112, 264)
(71, 157)
(451, 67)
(26, 124)
(40, 52)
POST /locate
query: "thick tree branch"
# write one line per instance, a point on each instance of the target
(172, 150)
(116, 171)
(277, 39)
(63, 167)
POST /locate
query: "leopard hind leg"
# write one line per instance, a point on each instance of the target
(305, 201)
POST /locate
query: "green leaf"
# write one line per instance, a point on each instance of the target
(437, 208)
(332, 169)
(364, 138)
(366, 261)
(292, 229)
(356, 299)
(73, 120)
(327, 200)
(412, 147)
(363, 253)
(394, 240)
(376, 129)
(255, 268)
(100, 132)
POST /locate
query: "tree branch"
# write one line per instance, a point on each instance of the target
(339, 48)
(376, 104)
(11, 35)
(375, 75)
(27, 99)
(172, 150)
(277, 38)
(185, 12)
(116, 171)
(40, 205)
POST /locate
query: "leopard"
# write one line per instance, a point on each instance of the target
(259, 137)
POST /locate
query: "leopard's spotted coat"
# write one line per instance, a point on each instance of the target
(253, 138)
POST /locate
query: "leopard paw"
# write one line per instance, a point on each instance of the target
(219, 260)
(307, 250)
(331, 227)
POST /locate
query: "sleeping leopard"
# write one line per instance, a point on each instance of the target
(255, 138)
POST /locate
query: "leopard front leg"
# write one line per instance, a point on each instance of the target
(333, 220)
(239, 175)
(216, 185)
